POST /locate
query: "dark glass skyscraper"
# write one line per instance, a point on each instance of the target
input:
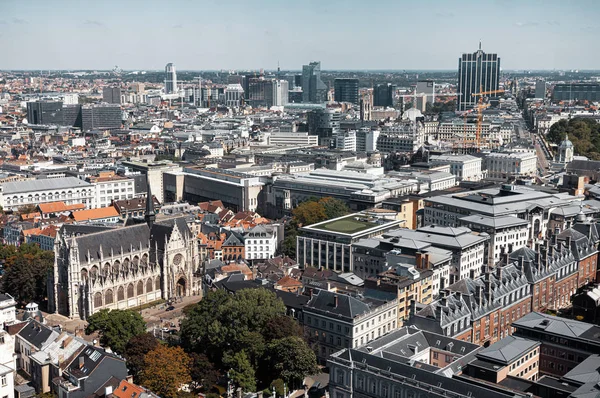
(313, 88)
(346, 90)
(45, 112)
(476, 72)
(383, 95)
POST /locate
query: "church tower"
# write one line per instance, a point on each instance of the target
(565, 151)
(150, 215)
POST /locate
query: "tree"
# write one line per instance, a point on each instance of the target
(26, 272)
(116, 327)
(292, 360)
(26, 209)
(166, 370)
(334, 208)
(282, 326)
(135, 351)
(583, 133)
(241, 371)
(222, 322)
(203, 372)
(308, 213)
(277, 385)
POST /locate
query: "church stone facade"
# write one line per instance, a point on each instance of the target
(123, 267)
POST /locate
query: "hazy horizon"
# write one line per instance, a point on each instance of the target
(215, 35)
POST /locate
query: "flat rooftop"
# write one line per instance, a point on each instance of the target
(347, 225)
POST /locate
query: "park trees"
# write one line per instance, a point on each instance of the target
(116, 327)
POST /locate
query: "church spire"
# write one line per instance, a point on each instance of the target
(150, 215)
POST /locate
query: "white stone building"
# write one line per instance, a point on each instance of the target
(70, 190)
(503, 165)
(464, 167)
(261, 242)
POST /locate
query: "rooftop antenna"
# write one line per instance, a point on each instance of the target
(479, 44)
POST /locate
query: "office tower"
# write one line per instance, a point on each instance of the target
(45, 112)
(346, 90)
(477, 72)
(297, 80)
(313, 88)
(111, 95)
(427, 89)
(101, 116)
(280, 92)
(170, 79)
(325, 123)
(383, 95)
(72, 115)
(540, 89)
(576, 92)
(234, 95)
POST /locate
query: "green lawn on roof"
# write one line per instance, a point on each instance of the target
(347, 225)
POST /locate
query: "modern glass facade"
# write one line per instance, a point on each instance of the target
(346, 90)
(383, 95)
(576, 92)
(313, 88)
(477, 72)
(45, 112)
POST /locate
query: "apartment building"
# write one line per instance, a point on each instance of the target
(335, 321)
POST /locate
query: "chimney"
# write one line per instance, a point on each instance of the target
(569, 242)
(413, 308)
(538, 253)
(444, 301)
(479, 293)
(108, 390)
(310, 292)
(419, 260)
(438, 312)
(499, 273)
(335, 301)
(506, 257)
(521, 261)
(510, 248)
(81, 362)
(555, 236)
(472, 274)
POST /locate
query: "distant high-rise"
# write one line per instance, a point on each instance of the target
(45, 112)
(476, 72)
(325, 123)
(101, 116)
(170, 79)
(111, 95)
(540, 89)
(346, 90)
(427, 89)
(313, 88)
(383, 95)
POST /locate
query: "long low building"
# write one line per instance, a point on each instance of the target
(70, 190)
(237, 191)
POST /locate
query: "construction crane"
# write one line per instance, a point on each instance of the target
(480, 107)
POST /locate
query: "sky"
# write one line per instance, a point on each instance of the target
(342, 34)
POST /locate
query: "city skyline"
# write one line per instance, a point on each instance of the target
(399, 35)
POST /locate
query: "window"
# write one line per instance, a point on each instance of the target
(4, 381)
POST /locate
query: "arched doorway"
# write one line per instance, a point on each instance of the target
(180, 288)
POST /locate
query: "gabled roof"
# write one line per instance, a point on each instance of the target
(95, 214)
(347, 306)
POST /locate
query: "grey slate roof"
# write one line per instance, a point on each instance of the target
(348, 307)
(566, 328)
(508, 349)
(454, 238)
(15, 187)
(585, 372)
(37, 334)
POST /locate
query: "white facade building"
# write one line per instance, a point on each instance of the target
(503, 165)
(346, 141)
(113, 189)
(464, 167)
(234, 94)
(70, 190)
(261, 242)
(289, 138)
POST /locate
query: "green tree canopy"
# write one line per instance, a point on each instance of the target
(116, 327)
(203, 371)
(583, 133)
(26, 272)
(292, 360)
(135, 351)
(282, 326)
(334, 208)
(241, 371)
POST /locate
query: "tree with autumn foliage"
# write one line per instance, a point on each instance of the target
(166, 371)
(135, 352)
